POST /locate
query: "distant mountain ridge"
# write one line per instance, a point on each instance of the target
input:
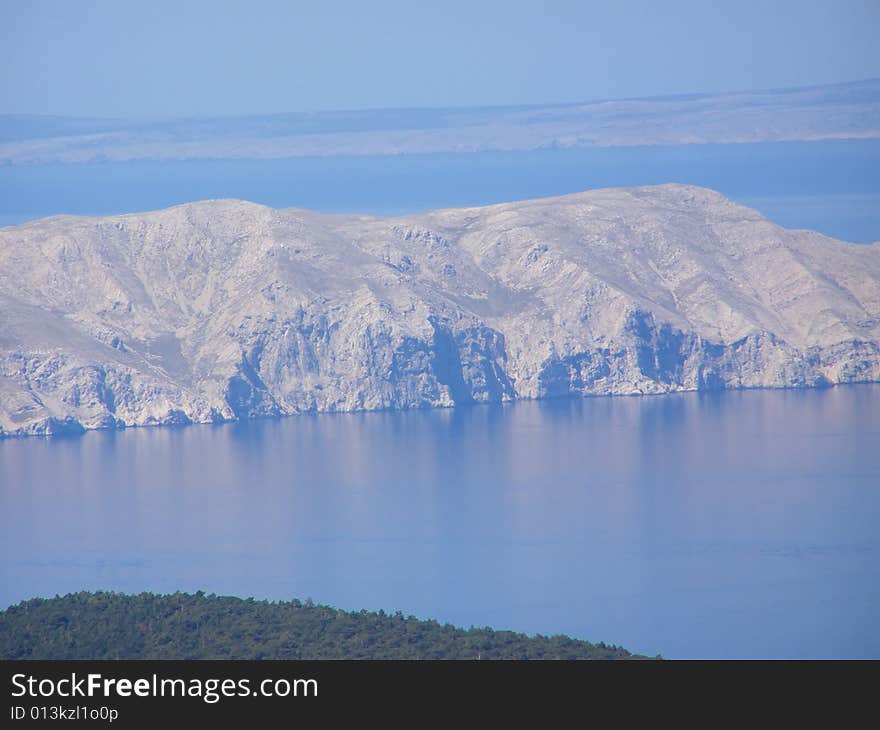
(833, 111)
(223, 309)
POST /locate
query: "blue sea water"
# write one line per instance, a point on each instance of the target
(737, 524)
(741, 524)
(829, 186)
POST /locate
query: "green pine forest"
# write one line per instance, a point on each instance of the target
(201, 626)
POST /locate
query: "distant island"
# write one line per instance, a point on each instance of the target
(834, 111)
(226, 310)
(199, 626)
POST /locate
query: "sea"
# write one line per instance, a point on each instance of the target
(829, 186)
(740, 524)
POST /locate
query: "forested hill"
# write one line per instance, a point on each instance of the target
(184, 626)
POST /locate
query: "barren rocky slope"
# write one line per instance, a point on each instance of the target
(225, 309)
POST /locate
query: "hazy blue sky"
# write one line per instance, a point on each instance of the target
(162, 58)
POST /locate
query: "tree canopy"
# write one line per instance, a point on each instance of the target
(201, 626)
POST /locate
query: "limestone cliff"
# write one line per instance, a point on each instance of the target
(224, 309)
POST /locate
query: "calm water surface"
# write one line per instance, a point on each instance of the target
(744, 524)
(831, 186)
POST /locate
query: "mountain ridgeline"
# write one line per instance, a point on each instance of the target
(224, 310)
(832, 111)
(199, 626)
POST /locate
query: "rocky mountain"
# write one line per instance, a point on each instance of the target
(224, 309)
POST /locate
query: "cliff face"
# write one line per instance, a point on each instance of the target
(224, 309)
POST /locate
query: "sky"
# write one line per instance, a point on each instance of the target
(171, 59)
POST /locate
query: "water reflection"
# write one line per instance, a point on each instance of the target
(732, 524)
